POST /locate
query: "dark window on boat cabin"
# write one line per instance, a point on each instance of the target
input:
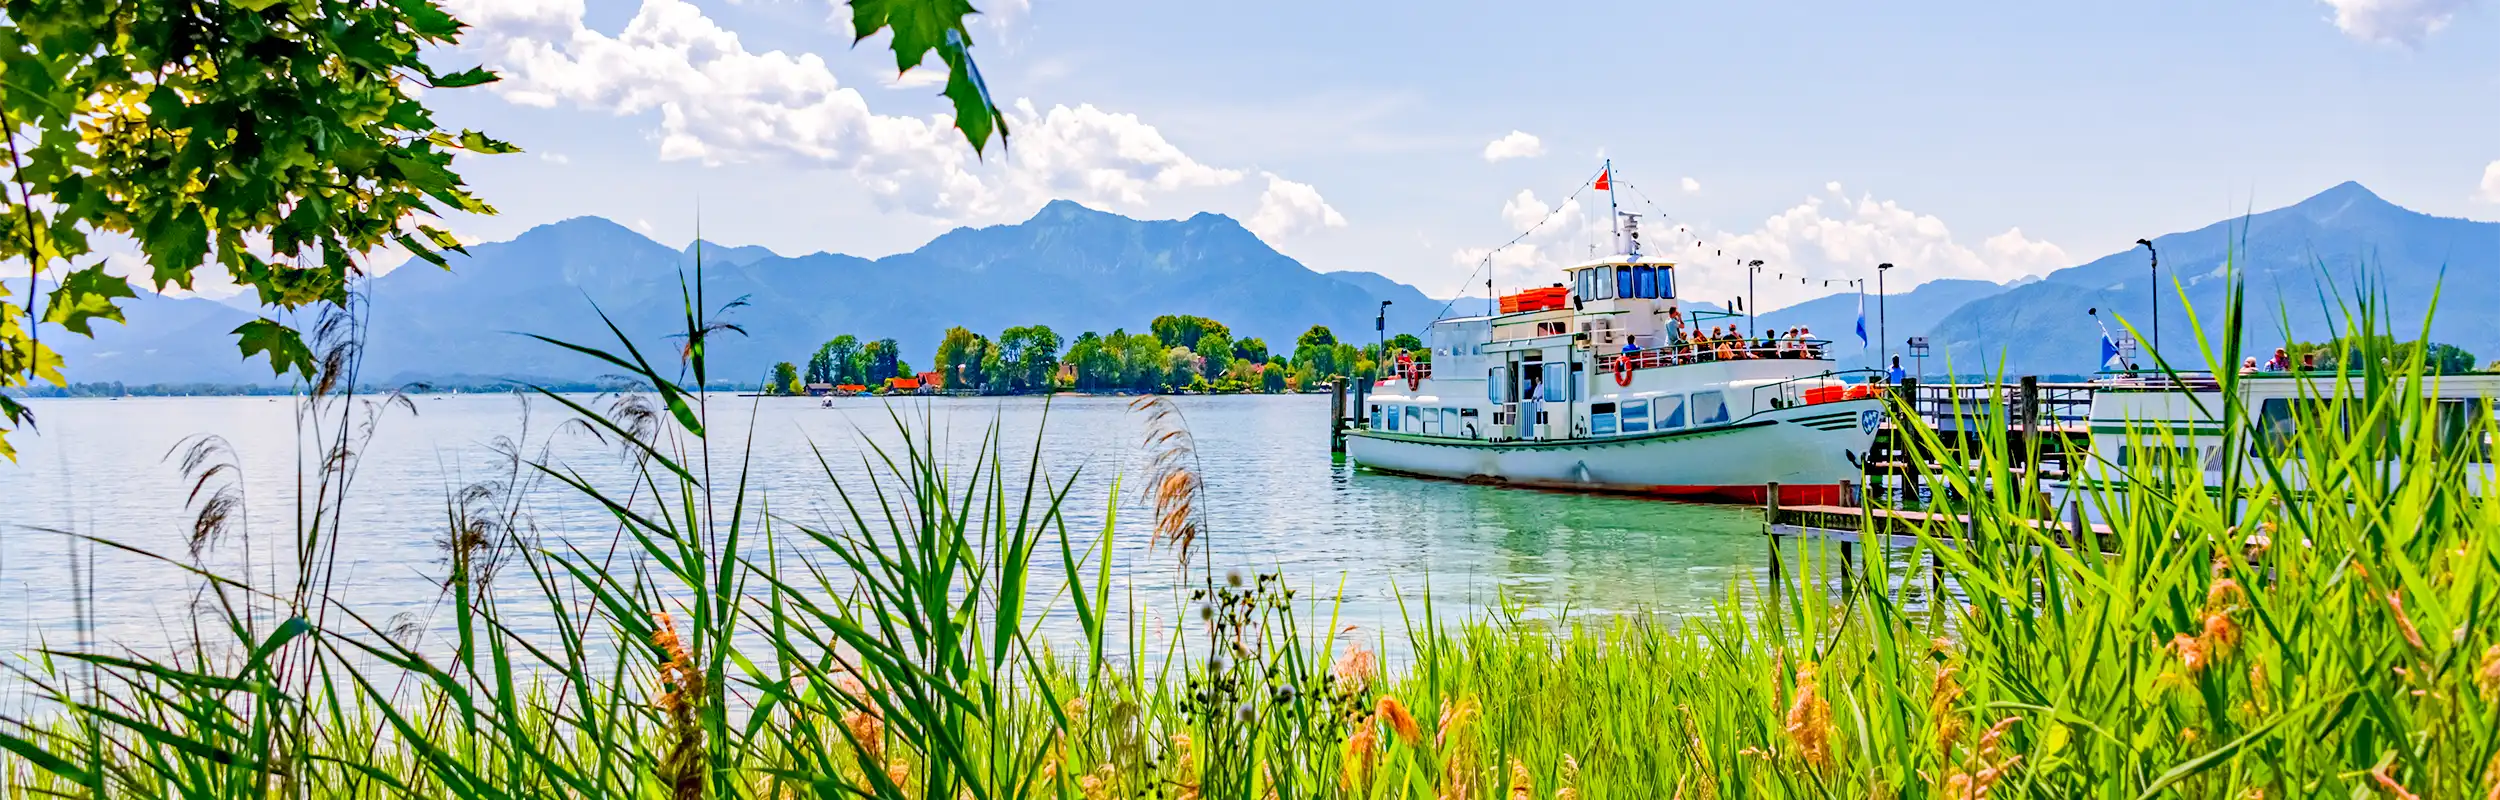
(1602, 419)
(1635, 416)
(1709, 408)
(2279, 422)
(2464, 427)
(1393, 418)
(1579, 381)
(2158, 456)
(1668, 412)
(1420, 424)
(1376, 418)
(1623, 284)
(1645, 281)
(1557, 383)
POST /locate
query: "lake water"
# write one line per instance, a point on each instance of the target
(1276, 501)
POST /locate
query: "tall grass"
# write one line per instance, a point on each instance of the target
(2319, 627)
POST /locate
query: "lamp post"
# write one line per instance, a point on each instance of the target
(1884, 362)
(2156, 290)
(1381, 326)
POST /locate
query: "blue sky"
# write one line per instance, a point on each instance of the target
(1990, 140)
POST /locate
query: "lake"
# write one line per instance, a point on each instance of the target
(1276, 502)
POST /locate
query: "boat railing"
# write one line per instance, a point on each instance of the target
(1412, 372)
(1952, 406)
(2161, 379)
(1700, 353)
(1794, 391)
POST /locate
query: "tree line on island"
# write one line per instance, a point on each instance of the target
(1178, 353)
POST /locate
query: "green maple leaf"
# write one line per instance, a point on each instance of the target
(285, 347)
(920, 26)
(86, 295)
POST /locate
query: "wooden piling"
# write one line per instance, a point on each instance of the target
(1336, 417)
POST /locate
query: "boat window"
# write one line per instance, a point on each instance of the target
(1635, 416)
(1666, 283)
(1493, 385)
(1557, 383)
(2279, 422)
(1669, 411)
(1376, 418)
(1579, 381)
(1605, 282)
(1417, 421)
(2464, 428)
(1580, 285)
(2158, 457)
(1709, 408)
(1645, 281)
(1602, 419)
(1623, 283)
(1393, 418)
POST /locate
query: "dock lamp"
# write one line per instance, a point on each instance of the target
(1381, 326)
(2148, 248)
(1880, 335)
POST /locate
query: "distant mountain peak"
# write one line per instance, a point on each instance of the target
(1064, 210)
(2341, 198)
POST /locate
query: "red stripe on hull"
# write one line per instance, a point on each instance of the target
(1826, 494)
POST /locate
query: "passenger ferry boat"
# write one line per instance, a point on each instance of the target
(1592, 385)
(2140, 418)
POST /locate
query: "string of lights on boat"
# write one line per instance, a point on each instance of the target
(1484, 265)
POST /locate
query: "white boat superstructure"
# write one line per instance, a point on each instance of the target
(1600, 383)
(2177, 422)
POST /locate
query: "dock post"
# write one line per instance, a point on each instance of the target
(1336, 417)
(1770, 518)
(2030, 437)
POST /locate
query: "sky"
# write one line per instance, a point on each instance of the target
(1956, 139)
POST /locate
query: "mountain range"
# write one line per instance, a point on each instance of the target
(1077, 269)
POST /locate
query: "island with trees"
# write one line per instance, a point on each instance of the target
(1177, 354)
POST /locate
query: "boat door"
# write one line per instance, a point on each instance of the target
(1531, 377)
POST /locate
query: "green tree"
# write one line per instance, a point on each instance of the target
(1348, 361)
(1032, 353)
(1272, 378)
(1182, 330)
(1143, 360)
(886, 362)
(1253, 349)
(959, 358)
(1317, 336)
(1216, 347)
(832, 363)
(1182, 368)
(785, 380)
(1097, 367)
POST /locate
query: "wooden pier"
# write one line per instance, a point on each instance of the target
(2043, 426)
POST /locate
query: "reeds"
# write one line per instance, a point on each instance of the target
(2349, 652)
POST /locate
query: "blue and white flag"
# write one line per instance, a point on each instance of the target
(2109, 350)
(1861, 317)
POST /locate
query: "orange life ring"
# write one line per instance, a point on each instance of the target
(1623, 370)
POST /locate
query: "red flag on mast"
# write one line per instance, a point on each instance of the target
(1603, 176)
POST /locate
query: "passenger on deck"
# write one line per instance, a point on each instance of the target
(2308, 361)
(2248, 366)
(2281, 362)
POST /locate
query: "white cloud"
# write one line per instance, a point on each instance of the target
(2490, 191)
(2404, 22)
(1516, 144)
(1691, 186)
(717, 102)
(928, 74)
(1833, 237)
(1288, 208)
(553, 157)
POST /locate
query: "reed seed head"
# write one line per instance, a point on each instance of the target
(1400, 721)
(1809, 720)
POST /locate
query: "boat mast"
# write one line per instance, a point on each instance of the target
(1614, 215)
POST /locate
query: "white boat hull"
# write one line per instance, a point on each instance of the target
(1808, 450)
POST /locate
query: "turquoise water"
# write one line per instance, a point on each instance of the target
(1276, 502)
